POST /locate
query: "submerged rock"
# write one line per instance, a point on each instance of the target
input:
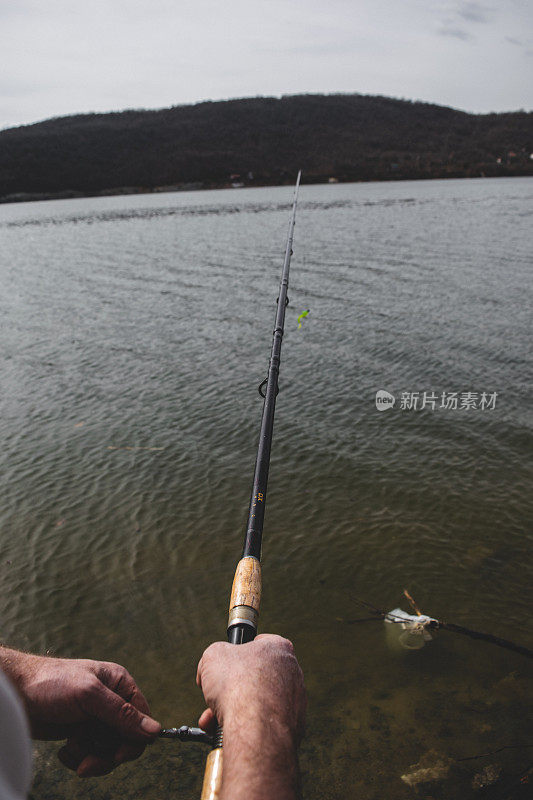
(488, 775)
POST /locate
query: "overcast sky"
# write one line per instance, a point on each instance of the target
(66, 56)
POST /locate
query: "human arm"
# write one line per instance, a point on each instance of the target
(95, 705)
(256, 692)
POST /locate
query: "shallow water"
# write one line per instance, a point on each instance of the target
(134, 334)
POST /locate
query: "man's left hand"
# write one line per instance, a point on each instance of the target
(95, 705)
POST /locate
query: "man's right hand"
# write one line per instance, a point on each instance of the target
(256, 691)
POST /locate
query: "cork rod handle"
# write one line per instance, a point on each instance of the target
(212, 775)
(243, 611)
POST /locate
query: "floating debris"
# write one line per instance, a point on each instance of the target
(415, 628)
(435, 625)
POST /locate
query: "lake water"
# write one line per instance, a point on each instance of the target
(135, 331)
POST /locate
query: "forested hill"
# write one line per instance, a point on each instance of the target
(258, 141)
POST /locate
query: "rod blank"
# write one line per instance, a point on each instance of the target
(246, 591)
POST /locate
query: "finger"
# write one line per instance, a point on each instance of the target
(199, 672)
(121, 716)
(128, 751)
(122, 683)
(92, 766)
(91, 752)
(73, 752)
(264, 636)
(275, 639)
(138, 700)
(68, 759)
(207, 721)
(213, 652)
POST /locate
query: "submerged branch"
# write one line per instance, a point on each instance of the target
(493, 752)
(485, 637)
(435, 624)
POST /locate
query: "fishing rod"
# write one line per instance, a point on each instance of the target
(246, 590)
(245, 596)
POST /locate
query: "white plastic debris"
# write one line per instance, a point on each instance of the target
(431, 767)
(415, 628)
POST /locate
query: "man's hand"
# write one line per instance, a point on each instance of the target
(262, 676)
(256, 692)
(95, 705)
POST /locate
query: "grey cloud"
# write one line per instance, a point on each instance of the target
(524, 44)
(326, 49)
(474, 12)
(456, 33)
(464, 11)
(19, 87)
(57, 60)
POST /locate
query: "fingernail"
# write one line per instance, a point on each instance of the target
(150, 726)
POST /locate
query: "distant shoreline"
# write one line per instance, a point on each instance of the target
(259, 141)
(33, 197)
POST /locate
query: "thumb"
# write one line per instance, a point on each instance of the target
(207, 720)
(106, 706)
